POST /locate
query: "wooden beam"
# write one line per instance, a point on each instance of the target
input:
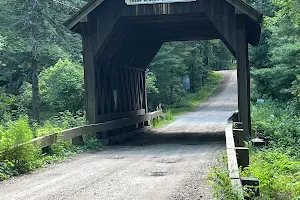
(246, 9)
(243, 75)
(82, 13)
(145, 100)
(119, 115)
(252, 185)
(50, 139)
(239, 137)
(242, 156)
(89, 80)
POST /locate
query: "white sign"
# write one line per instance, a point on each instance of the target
(137, 2)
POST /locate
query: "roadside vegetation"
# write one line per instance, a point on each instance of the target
(275, 71)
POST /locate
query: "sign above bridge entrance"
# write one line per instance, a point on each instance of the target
(137, 2)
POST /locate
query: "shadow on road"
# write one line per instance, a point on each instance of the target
(184, 138)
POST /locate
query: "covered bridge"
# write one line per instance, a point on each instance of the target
(120, 41)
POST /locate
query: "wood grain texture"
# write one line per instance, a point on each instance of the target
(50, 139)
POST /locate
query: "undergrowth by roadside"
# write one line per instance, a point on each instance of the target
(277, 172)
(219, 179)
(277, 165)
(17, 157)
(192, 100)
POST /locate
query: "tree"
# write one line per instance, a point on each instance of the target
(62, 86)
(33, 30)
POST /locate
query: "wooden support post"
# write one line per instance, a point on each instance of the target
(239, 138)
(243, 74)
(237, 125)
(252, 186)
(145, 101)
(89, 79)
(47, 150)
(242, 156)
(78, 141)
(235, 117)
(257, 142)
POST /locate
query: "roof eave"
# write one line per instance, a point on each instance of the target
(252, 13)
(82, 13)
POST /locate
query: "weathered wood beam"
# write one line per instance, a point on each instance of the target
(82, 14)
(242, 156)
(243, 75)
(89, 80)
(50, 139)
(119, 115)
(246, 9)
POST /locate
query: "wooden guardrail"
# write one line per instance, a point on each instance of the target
(72, 133)
(238, 157)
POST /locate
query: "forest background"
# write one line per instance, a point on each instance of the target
(41, 81)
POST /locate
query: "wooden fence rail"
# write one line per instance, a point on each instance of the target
(50, 139)
(238, 156)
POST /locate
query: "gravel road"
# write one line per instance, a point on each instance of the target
(168, 163)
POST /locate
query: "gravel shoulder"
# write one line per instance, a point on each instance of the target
(171, 162)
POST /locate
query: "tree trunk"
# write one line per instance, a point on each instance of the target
(34, 63)
(171, 94)
(205, 56)
(260, 5)
(35, 91)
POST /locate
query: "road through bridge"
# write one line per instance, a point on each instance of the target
(171, 162)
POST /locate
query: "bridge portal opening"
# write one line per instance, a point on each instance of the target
(120, 41)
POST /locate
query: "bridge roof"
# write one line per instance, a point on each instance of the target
(243, 7)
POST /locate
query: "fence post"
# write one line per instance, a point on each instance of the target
(238, 135)
(242, 156)
(78, 141)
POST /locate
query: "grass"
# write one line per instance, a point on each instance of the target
(193, 100)
(277, 165)
(278, 174)
(219, 179)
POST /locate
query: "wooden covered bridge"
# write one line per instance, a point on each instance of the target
(120, 39)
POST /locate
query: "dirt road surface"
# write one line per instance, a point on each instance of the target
(169, 163)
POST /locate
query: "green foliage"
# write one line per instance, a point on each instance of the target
(15, 154)
(192, 100)
(169, 117)
(151, 82)
(274, 122)
(17, 157)
(276, 59)
(275, 82)
(178, 59)
(220, 181)
(61, 86)
(278, 174)
(5, 103)
(276, 166)
(53, 41)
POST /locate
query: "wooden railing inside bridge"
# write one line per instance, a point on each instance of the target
(238, 157)
(125, 120)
